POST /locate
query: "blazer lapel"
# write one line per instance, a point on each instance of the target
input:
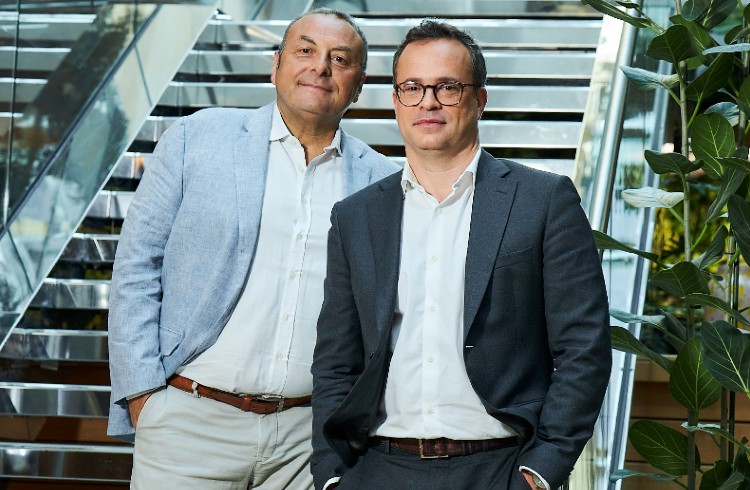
(356, 173)
(384, 222)
(493, 199)
(250, 168)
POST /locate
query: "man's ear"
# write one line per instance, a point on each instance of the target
(481, 101)
(273, 68)
(359, 89)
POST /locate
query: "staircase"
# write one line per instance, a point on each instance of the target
(54, 384)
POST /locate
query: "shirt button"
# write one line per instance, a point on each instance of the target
(430, 411)
(433, 308)
(430, 359)
(292, 275)
(299, 236)
(279, 356)
(434, 258)
(286, 316)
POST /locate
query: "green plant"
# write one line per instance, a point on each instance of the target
(706, 42)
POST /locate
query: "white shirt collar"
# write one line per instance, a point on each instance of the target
(280, 132)
(467, 178)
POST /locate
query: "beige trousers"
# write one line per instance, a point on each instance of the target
(184, 442)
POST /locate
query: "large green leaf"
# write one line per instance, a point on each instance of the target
(694, 9)
(718, 431)
(681, 279)
(648, 79)
(674, 325)
(615, 11)
(739, 217)
(651, 197)
(728, 48)
(673, 45)
(736, 163)
(730, 182)
(627, 317)
(712, 79)
(743, 97)
(699, 36)
(727, 355)
(606, 242)
(690, 383)
(716, 476)
(736, 481)
(662, 447)
(717, 12)
(715, 250)
(624, 341)
(712, 138)
(623, 474)
(669, 325)
(739, 33)
(663, 163)
(716, 303)
(727, 110)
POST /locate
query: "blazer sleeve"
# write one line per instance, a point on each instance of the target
(338, 359)
(577, 318)
(136, 290)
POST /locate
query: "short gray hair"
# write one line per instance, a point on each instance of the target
(336, 13)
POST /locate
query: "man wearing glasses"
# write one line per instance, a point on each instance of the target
(463, 340)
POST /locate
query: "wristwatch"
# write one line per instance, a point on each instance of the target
(538, 483)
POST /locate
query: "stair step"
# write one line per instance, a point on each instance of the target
(56, 345)
(72, 294)
(518, 63)
(31, 58)
(52, 399)
(85, 463)
(504, 98)
(493, 134)
(513, 33)
(52, 30)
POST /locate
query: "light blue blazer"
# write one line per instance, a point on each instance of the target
(188, 243)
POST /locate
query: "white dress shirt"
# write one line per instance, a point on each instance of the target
(427, 392)
(267, 345)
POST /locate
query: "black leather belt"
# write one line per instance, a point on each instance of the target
(445, 448)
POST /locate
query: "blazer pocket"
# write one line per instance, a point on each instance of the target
(506, 260)
(169, 340)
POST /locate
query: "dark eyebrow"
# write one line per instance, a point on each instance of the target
(310, 40)
(307, 39)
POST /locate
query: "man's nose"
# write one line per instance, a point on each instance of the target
(322, 65)
(429, 101)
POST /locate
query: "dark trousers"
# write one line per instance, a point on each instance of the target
(382, 467)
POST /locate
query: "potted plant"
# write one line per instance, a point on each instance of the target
(705, 41)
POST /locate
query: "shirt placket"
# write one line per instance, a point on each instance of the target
(294, 273)
(433, 277)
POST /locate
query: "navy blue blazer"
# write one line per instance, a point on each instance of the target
(536, 342)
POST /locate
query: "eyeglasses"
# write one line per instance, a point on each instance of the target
(411, 94)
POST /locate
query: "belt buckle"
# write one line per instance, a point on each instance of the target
(422, 455)
(279, 400)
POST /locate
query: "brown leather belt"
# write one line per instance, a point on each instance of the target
(445, 448)
(261, 404)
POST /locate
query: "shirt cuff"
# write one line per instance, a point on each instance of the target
(526, 468)
(131, 397)
(331, 481)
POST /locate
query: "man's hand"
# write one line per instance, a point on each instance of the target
(525, 474)
(136, 405)
(534, 485)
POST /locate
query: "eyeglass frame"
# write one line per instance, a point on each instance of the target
(397, 88)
